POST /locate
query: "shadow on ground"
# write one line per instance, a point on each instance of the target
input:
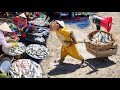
(99, 63)
(64, 68)
(94, 64)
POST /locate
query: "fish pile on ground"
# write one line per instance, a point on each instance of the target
(39, 39)
(39, 35)
(43, 32)
(20, 49)
(39, 22)
(37, 51)
(102, 37)
(25, 68)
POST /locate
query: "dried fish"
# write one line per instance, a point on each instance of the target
(103, 34)
(37, 51)
(30, 70)
(107, 36)
(20, 49)
(96, 35)
(39, 39)
(39, 22)
(37, 34)
(106, 40)
(103, 40)
(101, 37)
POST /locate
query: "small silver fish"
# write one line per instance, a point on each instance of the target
(100, 37)
(106, 40)
(103, 34)
(107, 36)
(97, 34)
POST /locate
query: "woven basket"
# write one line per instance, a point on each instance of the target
(99, 44)
(112, 50)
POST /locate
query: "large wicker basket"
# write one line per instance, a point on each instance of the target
(104, 52)
(100, 44)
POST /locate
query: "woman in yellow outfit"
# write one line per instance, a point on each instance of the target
(67, 39)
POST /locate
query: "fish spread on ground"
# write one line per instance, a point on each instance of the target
(39, 39)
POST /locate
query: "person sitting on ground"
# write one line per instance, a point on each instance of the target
(5, 28)
(67, 39)
(23, 25)
(22, 22)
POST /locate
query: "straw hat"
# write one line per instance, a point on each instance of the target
(5, 27)
(61, 23)
(22, 15)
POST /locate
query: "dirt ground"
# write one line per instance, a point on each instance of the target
(109, 68)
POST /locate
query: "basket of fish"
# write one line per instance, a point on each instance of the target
(102, 51)
(17, 52)
(101, 39)
(101, 44)
(25, 68)
(37, 52)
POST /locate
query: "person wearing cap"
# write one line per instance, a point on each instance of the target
(67, 39)
(5, 28)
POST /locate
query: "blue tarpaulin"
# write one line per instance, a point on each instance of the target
(82, 25)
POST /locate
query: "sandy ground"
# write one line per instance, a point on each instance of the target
(109, 68)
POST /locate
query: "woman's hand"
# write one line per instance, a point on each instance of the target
(14, 44)
(11, 40)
